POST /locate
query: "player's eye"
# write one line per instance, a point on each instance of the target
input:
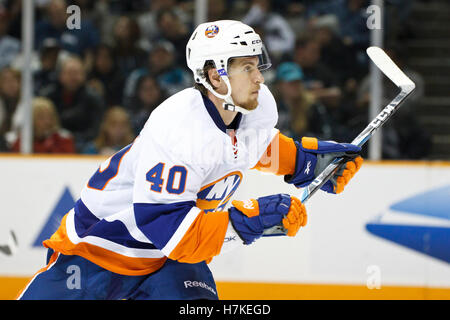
(248, 68)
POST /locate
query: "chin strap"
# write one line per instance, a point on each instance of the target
(232, 107)
(228, 103)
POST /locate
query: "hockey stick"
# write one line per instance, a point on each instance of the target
(393, 72)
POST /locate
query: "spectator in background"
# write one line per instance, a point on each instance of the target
(78, 106)
(105, 78)
(48, 136)
(275, 30)
(126, 7)
(340, 62)
(48, 56)
(101, 14)
(169, 75)
(160, 65)
(217, 10)
(172, 29)
(300, 114)
(80, 41)
(13, 10)
(352, 18)
(148, 95)
(114, 134)
(296, 17)
(318, 78)
(333, 52)
(126, 47)
(9, 46)
(9, 96)
(148, 23)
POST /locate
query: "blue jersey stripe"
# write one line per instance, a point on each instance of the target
(160, 221)
(87, 224)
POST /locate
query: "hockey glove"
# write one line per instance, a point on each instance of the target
(274, 215)
(313, 156)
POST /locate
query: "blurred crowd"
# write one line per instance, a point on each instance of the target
(96, 85)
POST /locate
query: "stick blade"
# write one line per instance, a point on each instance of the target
(389, 68)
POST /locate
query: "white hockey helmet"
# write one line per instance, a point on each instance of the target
(219, 41)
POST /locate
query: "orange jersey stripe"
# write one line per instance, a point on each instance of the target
(104, 258)
(204, 238)
(279, 157)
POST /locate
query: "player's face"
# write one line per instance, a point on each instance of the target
(245, 80)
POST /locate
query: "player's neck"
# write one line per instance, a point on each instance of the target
(227, 115)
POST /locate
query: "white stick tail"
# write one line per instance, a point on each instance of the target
(390, 69)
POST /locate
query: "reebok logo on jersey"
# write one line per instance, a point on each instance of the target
(191, 284)
(308, 167)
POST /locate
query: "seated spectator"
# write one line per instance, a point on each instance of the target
(101, 13)
(160, 65)
(147, 97)
(126, 7)
(217, 10)
(276, 32)
(13, 12)
(126, 47)
(333, 52)
(105, 77)
(9, 46)
(172, 29)
(78, 106)
(148, 20)
(47, 74)
(79, 41)
(296, 16)
(300, 114)
(9, 97)
(48, 136)
(114, 134)
(352, 18)
(318, 78)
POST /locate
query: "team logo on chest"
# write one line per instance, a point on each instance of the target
(215, 196)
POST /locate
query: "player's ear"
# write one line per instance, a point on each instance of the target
(214, 78)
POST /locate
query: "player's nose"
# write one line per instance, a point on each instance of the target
(259, 78)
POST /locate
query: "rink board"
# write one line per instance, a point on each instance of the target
(386, 237)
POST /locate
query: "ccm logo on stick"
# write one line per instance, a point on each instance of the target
(382, 116)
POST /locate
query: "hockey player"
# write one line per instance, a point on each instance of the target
(154, 214)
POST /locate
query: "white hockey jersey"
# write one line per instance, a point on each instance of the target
(163, 196)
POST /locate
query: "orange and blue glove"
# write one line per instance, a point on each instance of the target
(274, 215)
(313, 156)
